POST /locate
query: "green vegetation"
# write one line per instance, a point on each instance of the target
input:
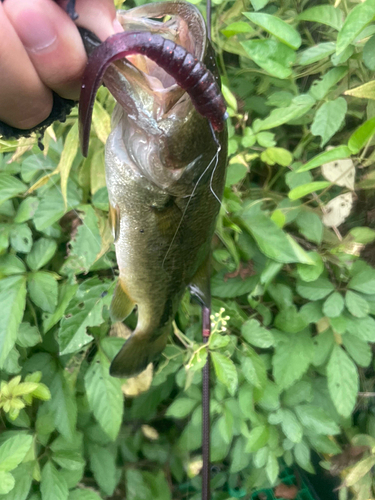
(293, 285)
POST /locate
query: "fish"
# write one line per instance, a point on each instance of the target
(165, 161)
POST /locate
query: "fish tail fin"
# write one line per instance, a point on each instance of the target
(121, 305)
(137, 352)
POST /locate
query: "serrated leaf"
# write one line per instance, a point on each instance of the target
(42, 287)
(323, 14)
(290, 320)
(256, 335)
(12, 300)
(338, 153)
(225, 371)
(254, 369)
(181, 408)
(358, 18)
(305, 189)
(364, 328)
(63, 405)
(328, 119)
(315, 290)
(21, 238)
(14, 450)
(342, 376)
(316, 420)
(105, 396)
(276, 27)
(356, 304)
(42, 252)
(292, 358)
(271, 55)
(53, 486)
(231, 287)
(23, 477)
(334, 305)
(291, 426)
(363, 281)
(103, 465)
(358, 349)
(7, 482)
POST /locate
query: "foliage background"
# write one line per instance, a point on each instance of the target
(294, 299)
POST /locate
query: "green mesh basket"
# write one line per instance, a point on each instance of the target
(287, 477)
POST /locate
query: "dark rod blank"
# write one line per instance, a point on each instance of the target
(206, 330)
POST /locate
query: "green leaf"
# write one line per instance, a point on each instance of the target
(240, 459)
(12, 300)
(315, 290)
(290, 320)
(281, 156)
(13, 451)
(26, 209)
(259, 4)
(300, 106)
(69, 459)
(256, 335)
(362, 135)
(23, 477)
(103, 465)
(63, 405)
(236, 28)
(358, 18)
(358, 349)
(368, 53)
(316, 420)
(136, 486)
(334, 305)
(365, 91)
(42, 252)
(292, 358)
(291, 426)
(364, 281)
(338, 153)
(362, 235)
(302, 455)
(53, 486)
(105, 396)
(21, 238)
(181, 408)
(10, 187)
(343, 381)
(11, 264)
(298, 393)
(84, 310)
(66, 159)
(310, 226)
(272, 468)
(305, 189)
(7, 482)
(311, 273)
(254, 369)
(271, 55)
(82, 494)
(360, 469)
(320, 88)
(236, 172)
(276, 27)
(257, 438)
(42, 288)
(323, 14)
(225, 371)
(315, 53)
(66, 293)
(231, 287)
(323, 344)
(356, 304)
(328, 119)
(364, 328)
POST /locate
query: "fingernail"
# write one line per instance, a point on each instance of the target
(117, 26)
(35, 30)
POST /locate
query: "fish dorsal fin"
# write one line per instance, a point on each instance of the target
(200, 284)
(121, 305)
(114, 221)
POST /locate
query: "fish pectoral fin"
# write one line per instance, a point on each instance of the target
(138, 351)
(200, 284)
(114, 221)
(121, 305)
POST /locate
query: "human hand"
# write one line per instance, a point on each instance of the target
(41, 50)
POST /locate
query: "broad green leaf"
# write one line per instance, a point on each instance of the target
(362, 235)
(83, 494)
(254, 369)
(256, 335)
(320, 88)
(11, 264)
(236, 28)
(311, 272)
(311, 226)
(26, 209)
(28, 335)
(281, 156)
(23, 477)
(323, 14)
(315, 53)
(356, 304)
(84, 310)
(290, 320)
(10, 186)
(66, 293)
(334, 305)
(259, 4)
(366, 91)
(225, 371)
(42, 252)
(298, 393)
(257, 438)
(103, 465)
(363, 281)
(358, 349)
(364, 328)
(300, 106)
(42, 287)
(232, 287)
(53, 486)
(302, 455)
(323, 344)
(343, 381)
(240, 459)
(305, 189)
(276, 27)
(334, 154)
(66, 160)
(236, 172)
(7, 482)
(368, 53)
(181, 408)
(272, 467)
(316, 420)
(328, 119)
(292, 358)
(315, 290)
(69, 459)
(21, 238)
(63, 405)
(12, 300)
(136, 486)
(105, 396)
(358, 18)
(359, 470)
(291, 426)
(14, 450)
(271, 55)
(361, 136)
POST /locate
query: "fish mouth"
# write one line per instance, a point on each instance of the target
(139, 84)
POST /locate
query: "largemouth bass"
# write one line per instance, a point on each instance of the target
(165, 170)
